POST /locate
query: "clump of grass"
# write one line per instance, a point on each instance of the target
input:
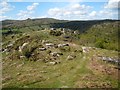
(65, 48)
(55, 33)
(27, 51)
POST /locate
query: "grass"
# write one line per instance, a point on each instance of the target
(21, 73)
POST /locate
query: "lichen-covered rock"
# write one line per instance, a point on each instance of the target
(71, 57)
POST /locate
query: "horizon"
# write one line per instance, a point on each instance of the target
(59, 10)
(59, 19)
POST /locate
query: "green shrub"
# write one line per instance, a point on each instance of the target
(55, 33)
(27, 51)
(99, 44)
(65, 48)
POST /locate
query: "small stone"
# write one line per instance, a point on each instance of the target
(43, 71)
(42, 49)
(18, 73)
(70, 57)
(52, 63)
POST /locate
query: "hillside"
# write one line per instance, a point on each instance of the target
(34, 56)
(99, 33)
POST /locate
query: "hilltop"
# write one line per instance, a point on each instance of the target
(50, 53)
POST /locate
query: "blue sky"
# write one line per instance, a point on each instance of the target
(59, 10)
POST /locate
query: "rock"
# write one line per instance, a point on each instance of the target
(18, 73)
(85, 50)
(52, 63)
(62, 45)
(49, 45)
(71, 57)
(21, 47)
(24, 44)
(22, 56)
(42, 49)
(56, 54)
(109, 59)
(5, 50)
(10, 45)
(43, 71)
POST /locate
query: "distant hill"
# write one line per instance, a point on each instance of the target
(30, 22)
(99, 33)
(53, 23)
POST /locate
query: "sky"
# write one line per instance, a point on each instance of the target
(64, 10)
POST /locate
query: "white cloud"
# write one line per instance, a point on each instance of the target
(24, 14)
(77, 6)
(112, 4)
(33, 6)
(54, 11)
(110, 10)
(3, 17)
(27, 13)
(69, 12)
(93, 13)
(5, 7)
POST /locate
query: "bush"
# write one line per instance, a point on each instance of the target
(99, 44)
(55, 33)
(27, 51)
(65, 48)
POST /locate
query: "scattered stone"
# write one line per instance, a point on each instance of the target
(18, 74)
(56, 54)
(21, 47)
(85, 50)
(49, 45)
(5, 50)
(52, 63)
(10, 45)
(71, 57)
(109, 59)
(42, 49)
(62, 45)
(43, 71)
(22, 57)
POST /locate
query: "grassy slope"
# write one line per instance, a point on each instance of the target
(99, 33)
(84, 71)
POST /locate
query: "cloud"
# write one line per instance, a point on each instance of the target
(110, 10)
(112, 4)
(23, 14)
(55, 11)
(69, 11)
(93, 13)
(5, 7)
(3, 17)
(33, 6)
